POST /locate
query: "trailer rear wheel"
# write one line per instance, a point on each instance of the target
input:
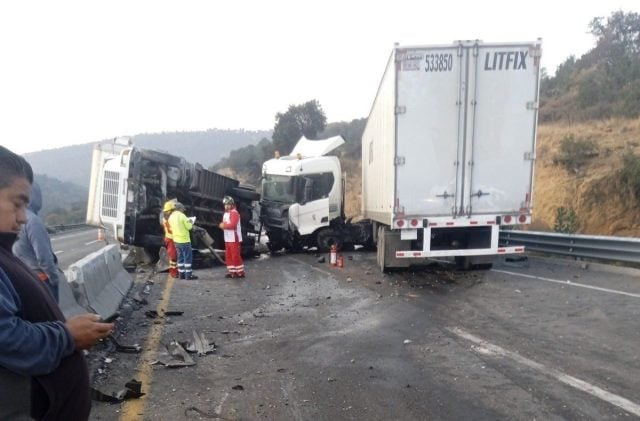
(463, 262)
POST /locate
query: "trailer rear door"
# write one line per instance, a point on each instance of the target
(500, 143)
(428, 121)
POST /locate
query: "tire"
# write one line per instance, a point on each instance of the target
(274, 247)
(326, 238)
(246, 194)
(463, 262)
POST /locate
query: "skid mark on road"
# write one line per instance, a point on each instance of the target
(133, 410)
(568, 283)
(485, 348)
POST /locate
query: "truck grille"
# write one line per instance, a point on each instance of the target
(110, 194)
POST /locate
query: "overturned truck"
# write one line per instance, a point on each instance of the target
(129, 186)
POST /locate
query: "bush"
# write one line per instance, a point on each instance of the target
(574, 153)
(566, 221)
(630, 176)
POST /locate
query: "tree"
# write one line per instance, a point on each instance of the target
(306, 119)
(602, 83)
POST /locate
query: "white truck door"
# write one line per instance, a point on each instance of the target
(309, 217)
(428, 121)
(501, 121)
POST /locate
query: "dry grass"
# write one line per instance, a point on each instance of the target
(592, 191)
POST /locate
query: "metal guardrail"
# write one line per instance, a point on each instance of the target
(620, 249)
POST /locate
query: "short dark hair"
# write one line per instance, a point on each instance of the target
(13, 166)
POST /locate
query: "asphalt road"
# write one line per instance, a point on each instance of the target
(71, 246)
(301, 340)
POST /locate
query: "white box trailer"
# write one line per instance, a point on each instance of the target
(448, 150)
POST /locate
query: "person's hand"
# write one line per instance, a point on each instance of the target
(87, 330)
(221, 225)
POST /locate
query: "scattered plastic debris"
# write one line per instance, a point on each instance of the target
(407, 341)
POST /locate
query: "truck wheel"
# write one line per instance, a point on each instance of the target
(274, 247)
(463, 262)
(381, 250)
(327, 238)
(244, 193)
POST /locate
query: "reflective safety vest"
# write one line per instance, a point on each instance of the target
(180, 227)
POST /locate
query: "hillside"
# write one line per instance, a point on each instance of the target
(205, 147)
(594, 189)
(62, 202)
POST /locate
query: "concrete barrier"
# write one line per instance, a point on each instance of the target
(67, 298)
(100, 281)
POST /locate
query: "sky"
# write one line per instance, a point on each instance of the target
(74, 72)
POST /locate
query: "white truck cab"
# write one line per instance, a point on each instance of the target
(302, 193)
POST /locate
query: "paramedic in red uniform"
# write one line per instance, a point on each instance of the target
(232, 239)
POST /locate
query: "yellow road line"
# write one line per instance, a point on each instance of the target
(133, 410)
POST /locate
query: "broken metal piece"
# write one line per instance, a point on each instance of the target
(200, 344)
(173, 313)
(152, 314)
(174, 355)
(132, 390)
(129, 349)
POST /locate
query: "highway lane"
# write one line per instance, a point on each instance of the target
(298, 339)
(71, 246)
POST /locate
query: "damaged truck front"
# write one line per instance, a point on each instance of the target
(129, 186)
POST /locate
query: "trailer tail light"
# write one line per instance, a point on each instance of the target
(414, 222)
(522, 219)
(400, 223)
(507, 219)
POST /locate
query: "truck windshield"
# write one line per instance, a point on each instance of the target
(279, 188)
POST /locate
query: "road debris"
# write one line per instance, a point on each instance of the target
(132, 390)
(128, 349)
(174, 355)
(200, 344)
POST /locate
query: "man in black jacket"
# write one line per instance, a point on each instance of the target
(43, 374)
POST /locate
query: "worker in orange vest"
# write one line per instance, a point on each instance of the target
(172, 253)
